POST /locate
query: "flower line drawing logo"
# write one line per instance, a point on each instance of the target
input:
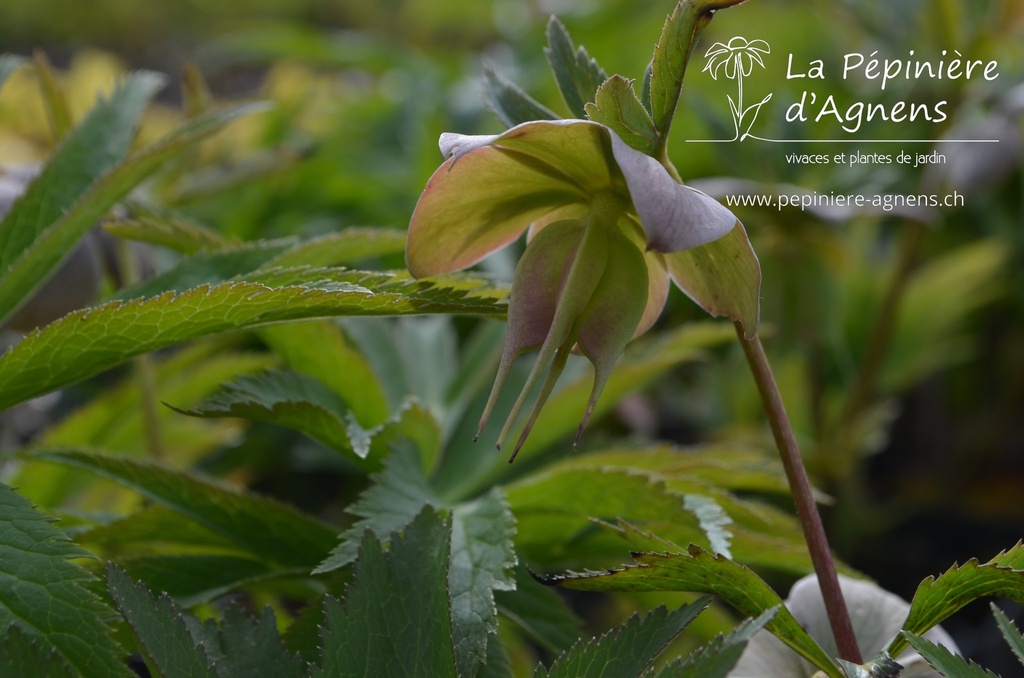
(736, 60)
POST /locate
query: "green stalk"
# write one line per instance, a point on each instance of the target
(803, 497)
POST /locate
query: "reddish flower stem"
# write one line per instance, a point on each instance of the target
(803, 497)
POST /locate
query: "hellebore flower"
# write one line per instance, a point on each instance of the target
(603, 220)
(877, 616)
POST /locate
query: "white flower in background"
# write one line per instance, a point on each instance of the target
(877, 617)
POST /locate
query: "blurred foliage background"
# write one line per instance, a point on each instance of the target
(926, 471)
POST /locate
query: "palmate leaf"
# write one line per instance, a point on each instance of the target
(90, 341)
(45, 597)
(939, 597)
(395, 619)
(177, 644)
(272, 532)
(20, 657)
(396, 496)
(482, 558)
(629, 650)
(160, 628)
(700, 572)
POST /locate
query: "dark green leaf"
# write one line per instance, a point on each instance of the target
(630, 650)
(159, 627)
(944, 661)
(45, 596)
(482, 559)
(616, 105)
(289, 399)
(509, 102)
(243, 646)
(197, 577)
(343, 248)
(397, 495)
(1009, 630)
(322, 350)
(578, 76)
(540, 612)
(700, 572)
(20, 657)
(87, 342)
(395, 619)
(40, 229)
(718, 657)
(271, 531)
(938, 598)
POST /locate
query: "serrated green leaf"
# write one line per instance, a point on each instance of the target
(40, 228)
(20, 657)
(616, 105)
(700, 572)
(289, 399)
(509, 102)
(273, 532)
(395, 618)
(243, 646)
(630, 650)
(944, 661)
(482, 561)
(321, 350)
(556, 510)
(8, 64)
(723, 277)
(1009, 631)
(718, 657)
(172, 231)
(45, 595)
(671, 55)
(87, 342)
(542, 614)
(578, 76)
(397, 495)
(938, 598)
(160, 628)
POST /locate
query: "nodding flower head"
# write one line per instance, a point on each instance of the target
(603, 222)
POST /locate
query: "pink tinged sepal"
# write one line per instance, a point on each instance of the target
(492, 188)
(578, 283)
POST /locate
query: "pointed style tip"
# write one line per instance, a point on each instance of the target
(476, 438)
(497, 446)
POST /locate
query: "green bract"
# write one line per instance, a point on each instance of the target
(604, 222)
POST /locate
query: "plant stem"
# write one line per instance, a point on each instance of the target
(803, 497)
